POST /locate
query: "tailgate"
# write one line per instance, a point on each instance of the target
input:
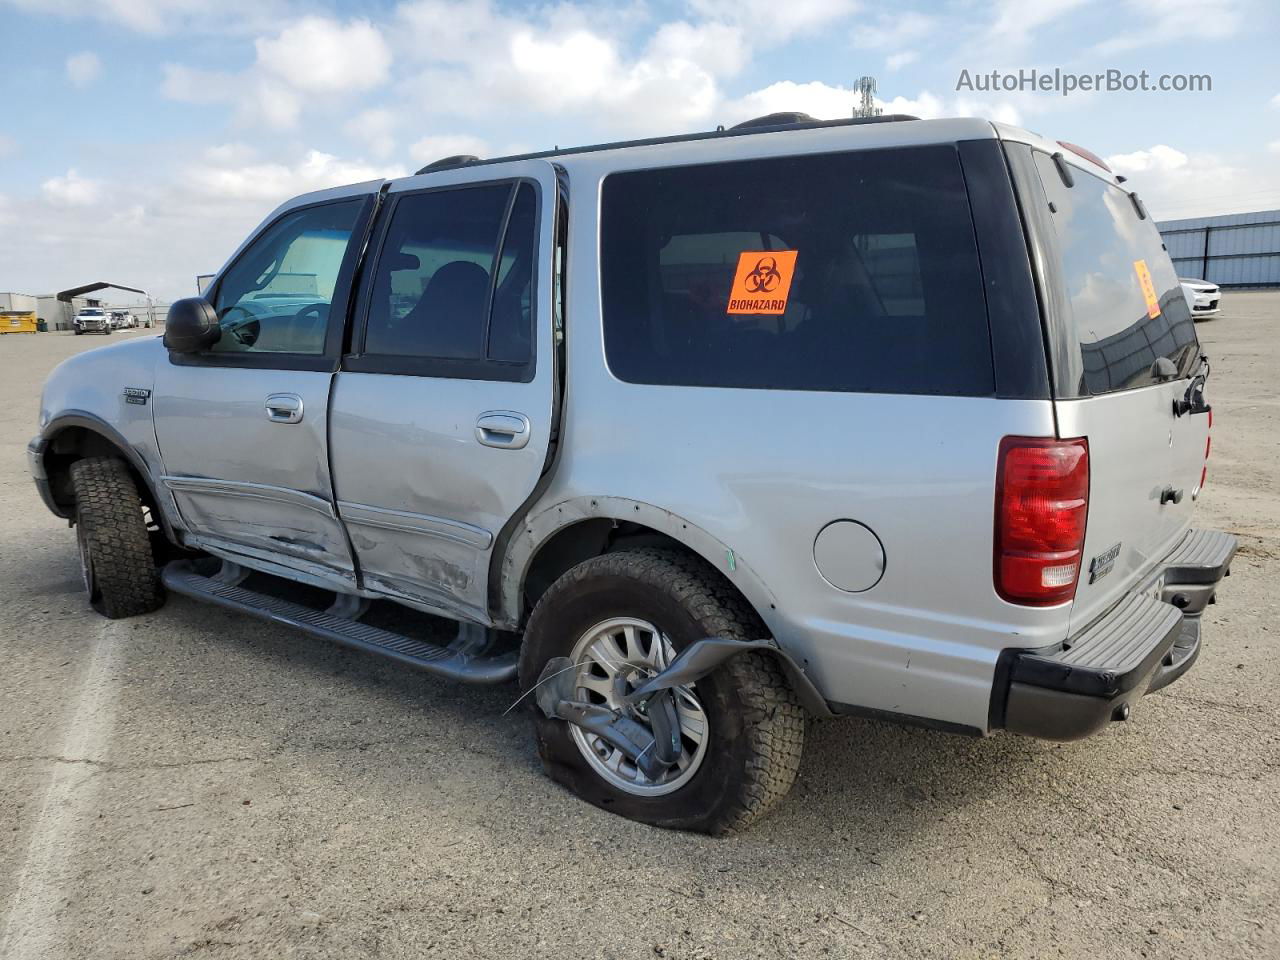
(1123, 352)
(1144, 475)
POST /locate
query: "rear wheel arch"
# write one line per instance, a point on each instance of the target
(560, 536)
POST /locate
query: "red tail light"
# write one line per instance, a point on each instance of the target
(1042, 501)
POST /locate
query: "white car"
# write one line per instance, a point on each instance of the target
(1202, 297)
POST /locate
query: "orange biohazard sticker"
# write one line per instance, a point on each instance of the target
(762, 281)
(1148, 288)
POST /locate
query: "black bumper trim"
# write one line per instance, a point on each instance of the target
(1141, 645)
(1203, 557)
(1113, 656)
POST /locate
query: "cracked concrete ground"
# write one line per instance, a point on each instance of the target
(197, 783)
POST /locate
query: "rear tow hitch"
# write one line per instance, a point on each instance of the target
(647, 728)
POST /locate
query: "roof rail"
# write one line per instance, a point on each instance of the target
(771, 123)
(445, 163)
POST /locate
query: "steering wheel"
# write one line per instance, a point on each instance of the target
(244, 333)
(320, 310)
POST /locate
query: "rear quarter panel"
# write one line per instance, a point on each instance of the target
(762, 472)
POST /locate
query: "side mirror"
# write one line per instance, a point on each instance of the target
(191, 325)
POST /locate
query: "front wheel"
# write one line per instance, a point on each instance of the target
(622, 617)
(111, 532)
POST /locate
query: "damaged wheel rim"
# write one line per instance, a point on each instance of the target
(612, 658)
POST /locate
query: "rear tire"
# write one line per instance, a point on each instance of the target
(755, 724)
(115, 548)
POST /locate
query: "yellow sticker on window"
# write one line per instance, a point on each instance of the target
(762, 282)
(1148, 288)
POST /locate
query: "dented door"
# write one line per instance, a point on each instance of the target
(441, 414)
(242, 425)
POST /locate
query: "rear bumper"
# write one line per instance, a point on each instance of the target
(1145, 642)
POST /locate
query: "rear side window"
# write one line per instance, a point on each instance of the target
(1122, 322)
(454, 276)
(841, 272)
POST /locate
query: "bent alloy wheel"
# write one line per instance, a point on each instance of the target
(622, 617)
(613, 658)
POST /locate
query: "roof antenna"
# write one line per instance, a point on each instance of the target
(867, 102)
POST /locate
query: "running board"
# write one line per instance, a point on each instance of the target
(181, 577)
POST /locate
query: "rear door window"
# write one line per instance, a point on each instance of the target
(841, 272)
(451, 291)
(1127, 307)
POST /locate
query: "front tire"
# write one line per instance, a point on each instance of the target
(751, 720)
(115, 548)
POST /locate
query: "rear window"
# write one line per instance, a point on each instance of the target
(1122, 322)
(841, 272)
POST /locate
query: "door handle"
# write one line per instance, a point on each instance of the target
(284, 408)
(504, 429)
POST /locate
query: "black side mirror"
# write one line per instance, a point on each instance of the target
(192, 325)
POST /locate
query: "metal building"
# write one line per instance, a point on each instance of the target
(1231, 250)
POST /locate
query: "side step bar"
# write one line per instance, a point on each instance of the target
(181, 577)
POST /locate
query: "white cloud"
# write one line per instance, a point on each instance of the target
(771, 23)
(315, 63)
(1274, 146)
(478, 60)
(72, 190)
(6, 210)
(1198, 20)
(893, 30)
(826, 102)
(83, 68)
(719, 48)
(1017, 21)
(319, 55)
(896, 61)
(374, 129)
(162, 16)
(189, 85)
(1175, 184)
(8, 146)
(1160, 158)
(1275, 101)
(437, 147)
(276, 182)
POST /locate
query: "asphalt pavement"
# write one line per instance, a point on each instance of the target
(198, 783)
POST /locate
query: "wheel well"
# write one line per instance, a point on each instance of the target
(585, 539)
(77, 443)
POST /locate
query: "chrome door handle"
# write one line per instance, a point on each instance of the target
(284, 408)
(504, 429)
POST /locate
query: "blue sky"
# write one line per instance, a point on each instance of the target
(141, 139)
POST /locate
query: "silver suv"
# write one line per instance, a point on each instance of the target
(692, 437)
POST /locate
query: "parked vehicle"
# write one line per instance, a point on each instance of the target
(123, 320)
(1203, 298)
(694, 437)
(92, 320)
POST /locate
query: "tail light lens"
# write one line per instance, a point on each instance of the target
(1042, 501)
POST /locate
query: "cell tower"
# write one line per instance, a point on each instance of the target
(867, 98)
